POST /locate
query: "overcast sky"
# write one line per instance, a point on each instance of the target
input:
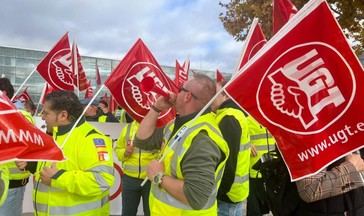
(172, 29)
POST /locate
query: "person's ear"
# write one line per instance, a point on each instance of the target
(63, 115)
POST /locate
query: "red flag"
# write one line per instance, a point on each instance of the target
(112, 104)
(219, 77)
(79, 75)
(307, 89)
(55, 67)
(98, 77)
(20, 139)
(181, 73)
(46, 90)
(254, 41)
(124, 83)
(283, 10)
(89, 91)
(23, 97)
(105, 97)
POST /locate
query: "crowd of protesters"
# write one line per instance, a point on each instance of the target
(210, 163)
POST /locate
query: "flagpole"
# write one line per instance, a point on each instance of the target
(79, 118)
(41, 96)
(75, 66)
(21, 86)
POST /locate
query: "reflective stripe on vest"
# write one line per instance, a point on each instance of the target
(261, 136)
(178, 147)
(71, 210)
(267, 148)
(244, 146)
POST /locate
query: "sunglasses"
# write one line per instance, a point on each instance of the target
(185, 90)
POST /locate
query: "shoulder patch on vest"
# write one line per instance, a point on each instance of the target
(99, 142)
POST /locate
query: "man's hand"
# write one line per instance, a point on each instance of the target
(163, 103)
(21, 164)
(154, 168)
(47, 173)
(253, 151)
(128, 150)
(356, 160)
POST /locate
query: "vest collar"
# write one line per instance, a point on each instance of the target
(181, 120)
(66, 128)
(229, 104)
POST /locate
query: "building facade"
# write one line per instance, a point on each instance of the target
(17, 63)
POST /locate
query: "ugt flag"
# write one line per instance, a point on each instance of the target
(255, 40)
(20, 139)
(55, 67)
(23, 97)
(124, 83)
(308, 90)
(283, 10)
(79, 74)
(181, 73)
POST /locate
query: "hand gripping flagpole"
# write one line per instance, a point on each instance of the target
(21, 86)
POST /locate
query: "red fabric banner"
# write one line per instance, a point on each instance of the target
(20, 139)
(79, 74)
(218, 76)
(255, 40)
(307, 89)
(23, 97)
(283, 10)
(124, 83)
(55, 67)
(181, 73)
(98, 77)
(46, 90)
(89, 92)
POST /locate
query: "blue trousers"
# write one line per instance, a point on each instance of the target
(132, 192)
(13, 205)
(231, 209)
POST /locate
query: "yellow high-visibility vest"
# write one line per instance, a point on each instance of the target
(88, 174)
(136, 164)
(160, 201)
(239, 190)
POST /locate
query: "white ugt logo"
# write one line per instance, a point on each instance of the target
(306, 83)
(137, 94)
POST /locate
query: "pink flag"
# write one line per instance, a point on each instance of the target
(283, 10)
(254, 41)
(307, 89)
(98, 77)
(219, 77)
(79, 75)
(21, 139)
(55, 67)
(125, 80)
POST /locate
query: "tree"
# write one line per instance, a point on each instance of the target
(239, 14)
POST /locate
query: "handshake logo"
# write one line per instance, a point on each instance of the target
(61, 64)
(140, 99)
(303, 88)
